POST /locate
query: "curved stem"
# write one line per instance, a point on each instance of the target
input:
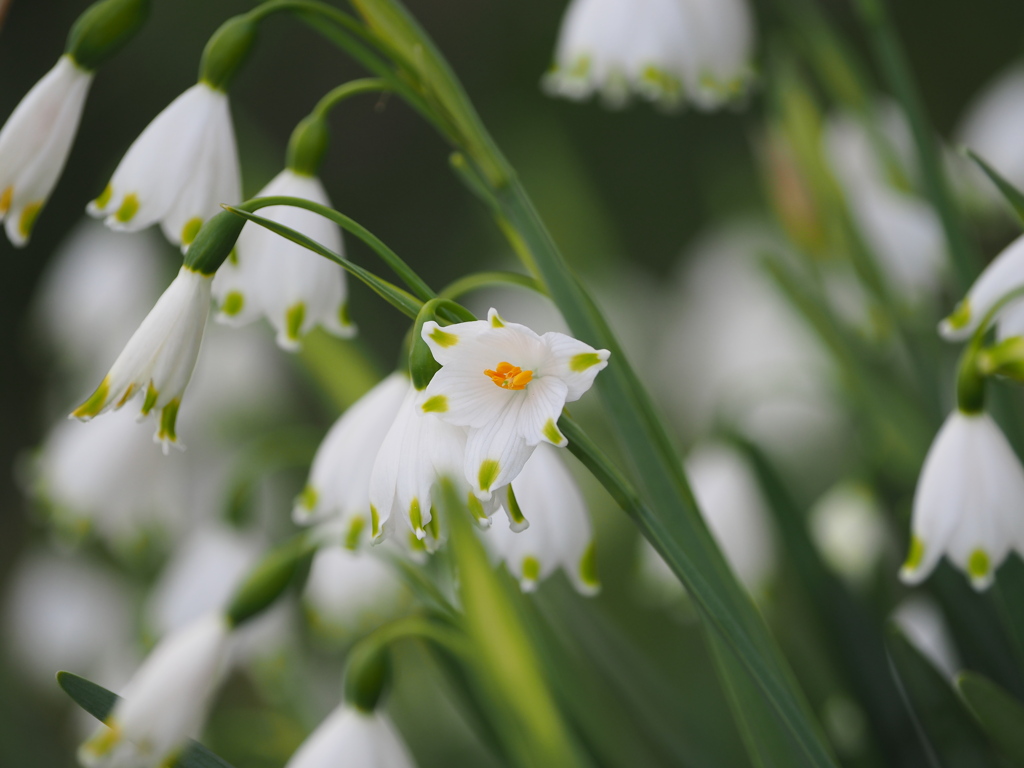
(347, 90)
(479, 280)
(416, 627)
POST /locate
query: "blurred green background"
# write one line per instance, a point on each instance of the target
(633, 185)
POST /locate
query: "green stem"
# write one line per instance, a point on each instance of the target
(479, 280)
(892, 58)
(347, 90)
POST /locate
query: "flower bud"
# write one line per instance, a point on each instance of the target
(308, 145)
(267, 580)
(214, 243)
(367, 675)
(226, 51)
(103, 30)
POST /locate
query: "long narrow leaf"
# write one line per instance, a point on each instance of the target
(1010, 193)
(999, 713)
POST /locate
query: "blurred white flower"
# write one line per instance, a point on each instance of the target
(507, 385)
(733, 349)
(97, 287)
(901, 229)
(179, 170)
(559, 534)
(924, 625)
(294, 288)
(166, 701)
(159, 358)
(666, 51)
(736, 513)
(63, 612)
(352, 737)
(339, 479)
(35, 142)
(1004, 275)
(350, 593)
(968, 502)
(849, 530)
(992, 126)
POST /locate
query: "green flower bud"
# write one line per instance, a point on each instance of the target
(308, 145)
(226, 51)
(268, 580)
(970, 382)
(214, 243)
(367, 674)
(103, 30)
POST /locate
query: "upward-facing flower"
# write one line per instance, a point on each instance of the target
(507, 385)
(158, 360)
(1003, 275)
(666, 51)
(166, 700)
(294, 288)
(179, 170)
(35, 142)
(339, 480)
(969, 503)
(350, 736)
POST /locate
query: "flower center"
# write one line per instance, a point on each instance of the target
(508, 376)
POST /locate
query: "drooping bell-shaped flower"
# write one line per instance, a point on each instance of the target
(848, 527)
(1004, 275)
(339, 480)
(507, 385)
(35, 143)
(179, 171)
(166, 701)
(294, 288)
(559, 534)
(158, 360)
(969, 502)
(666, 51)
(350, 736)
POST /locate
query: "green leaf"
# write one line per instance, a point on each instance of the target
(99, 702)
(999, 713)
(1012, 195)
(952, 734)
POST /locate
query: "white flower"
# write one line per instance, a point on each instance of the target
(969, 502)
(921, 620)
(179, 170)
(339, 480)
(417, 451)
(158, 359)
(294, 288)
(1003, 275)
(559, 532)
(848, 528)
(349, 594)
(351, 737)
(35, 142)
(992, 127)
(662, 50)
(166, 701)
(508, 386)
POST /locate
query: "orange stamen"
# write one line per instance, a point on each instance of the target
(508, 376)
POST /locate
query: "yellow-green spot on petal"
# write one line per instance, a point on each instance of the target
(95, 403)
(416, 515)
(531, 568)
(129, 207)
(102, 743)
(588, 567)
(415, 544)
(355, 532)
(580, 67)
(496, 321)
(126, 396)
(584, 360)
(551, 433)
(961, 315)
(434, 525)
(444, 339)
(978, 564)
(103, 200)
(916, 554)
(5, 200)
(374, 522)
(190, 230)
(168, 420)
(309, 497)
(28, 217)
(293, 318)
(344, 316)
(151, 398)
(475, 507)
(233, 303)
(514, 510)
(488, 474)
(436, 404)
(233, 257)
